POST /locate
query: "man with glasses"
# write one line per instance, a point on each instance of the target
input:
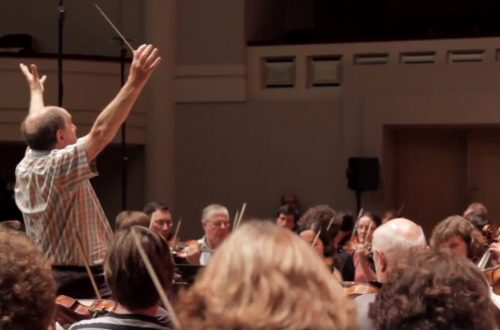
(216, 225)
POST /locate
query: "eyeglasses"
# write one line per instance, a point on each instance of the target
(219, 224)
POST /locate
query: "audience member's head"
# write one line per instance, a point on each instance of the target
(392, 242)
(276, 281)
(458, 236)
(161, 219)
(27, 287)
(286, 216)
(435, 290)
(126, 273)
(216, 224)
(126, 219)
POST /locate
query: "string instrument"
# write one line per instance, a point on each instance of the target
(493, 276)
(70, 310)
(352, 289)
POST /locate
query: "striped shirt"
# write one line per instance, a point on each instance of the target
(56, 198)
(115, 321)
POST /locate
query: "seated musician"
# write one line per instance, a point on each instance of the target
(436, 290)
(126, 219)
(265, 277)
(286, 216)
(215, 221)
(359, 247)
(459, 236)
(160, 219)
(138, 302)
(27, 287)
(392, 243)
(322, 218)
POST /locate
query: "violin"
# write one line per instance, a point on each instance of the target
(352, 289)
(70, 310)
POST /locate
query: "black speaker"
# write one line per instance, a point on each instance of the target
(363, 173)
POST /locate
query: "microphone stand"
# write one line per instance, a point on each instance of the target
(62, 15)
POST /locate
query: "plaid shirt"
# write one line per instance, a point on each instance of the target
(56, 198)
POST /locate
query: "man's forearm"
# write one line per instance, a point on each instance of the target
(111, 118)
(36, 101)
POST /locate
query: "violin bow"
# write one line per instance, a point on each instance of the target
(156, 281)
(400, 210)
(243, 208)
(360, 213)
(484, 260)
(316, 238)
(114, 28)
(235, 219)
(330, 223)
(177, 229)
(86, 264)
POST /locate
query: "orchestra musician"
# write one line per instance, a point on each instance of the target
(360, 247)
(138, 302)
(265, 277)
(27, 290)
(392, 244)
(216, 225)
(53, 190)
(160, 219)
(436, 290)
(324, 220)
(459, 236)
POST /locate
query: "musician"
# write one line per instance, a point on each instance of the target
(459, 236)
(53, 190)
(138, 302)
(215, 221)
(160, 219)
(435, 290)
(323, 218)
(265, 277)
(129, 218)
(360, 245)
(27, 289)
(392, 244)
(286, 216)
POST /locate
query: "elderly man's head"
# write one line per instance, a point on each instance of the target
(49, 128)
(215, 221)
(392, 242)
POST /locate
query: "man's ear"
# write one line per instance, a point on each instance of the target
(383, 261)
(59, 135)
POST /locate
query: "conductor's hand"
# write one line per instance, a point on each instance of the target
(35, 83)
(145, 61)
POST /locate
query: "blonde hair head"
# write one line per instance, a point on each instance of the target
(265, 277)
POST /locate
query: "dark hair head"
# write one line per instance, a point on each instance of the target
(477, 218)
(375, 218)
(288, 209)
(435, 290)
(40, 129)
(151, 207)
(126, 273)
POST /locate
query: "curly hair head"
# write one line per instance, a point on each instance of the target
(457, 225)
(265, 277)
(27, 290)
(435, 290)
